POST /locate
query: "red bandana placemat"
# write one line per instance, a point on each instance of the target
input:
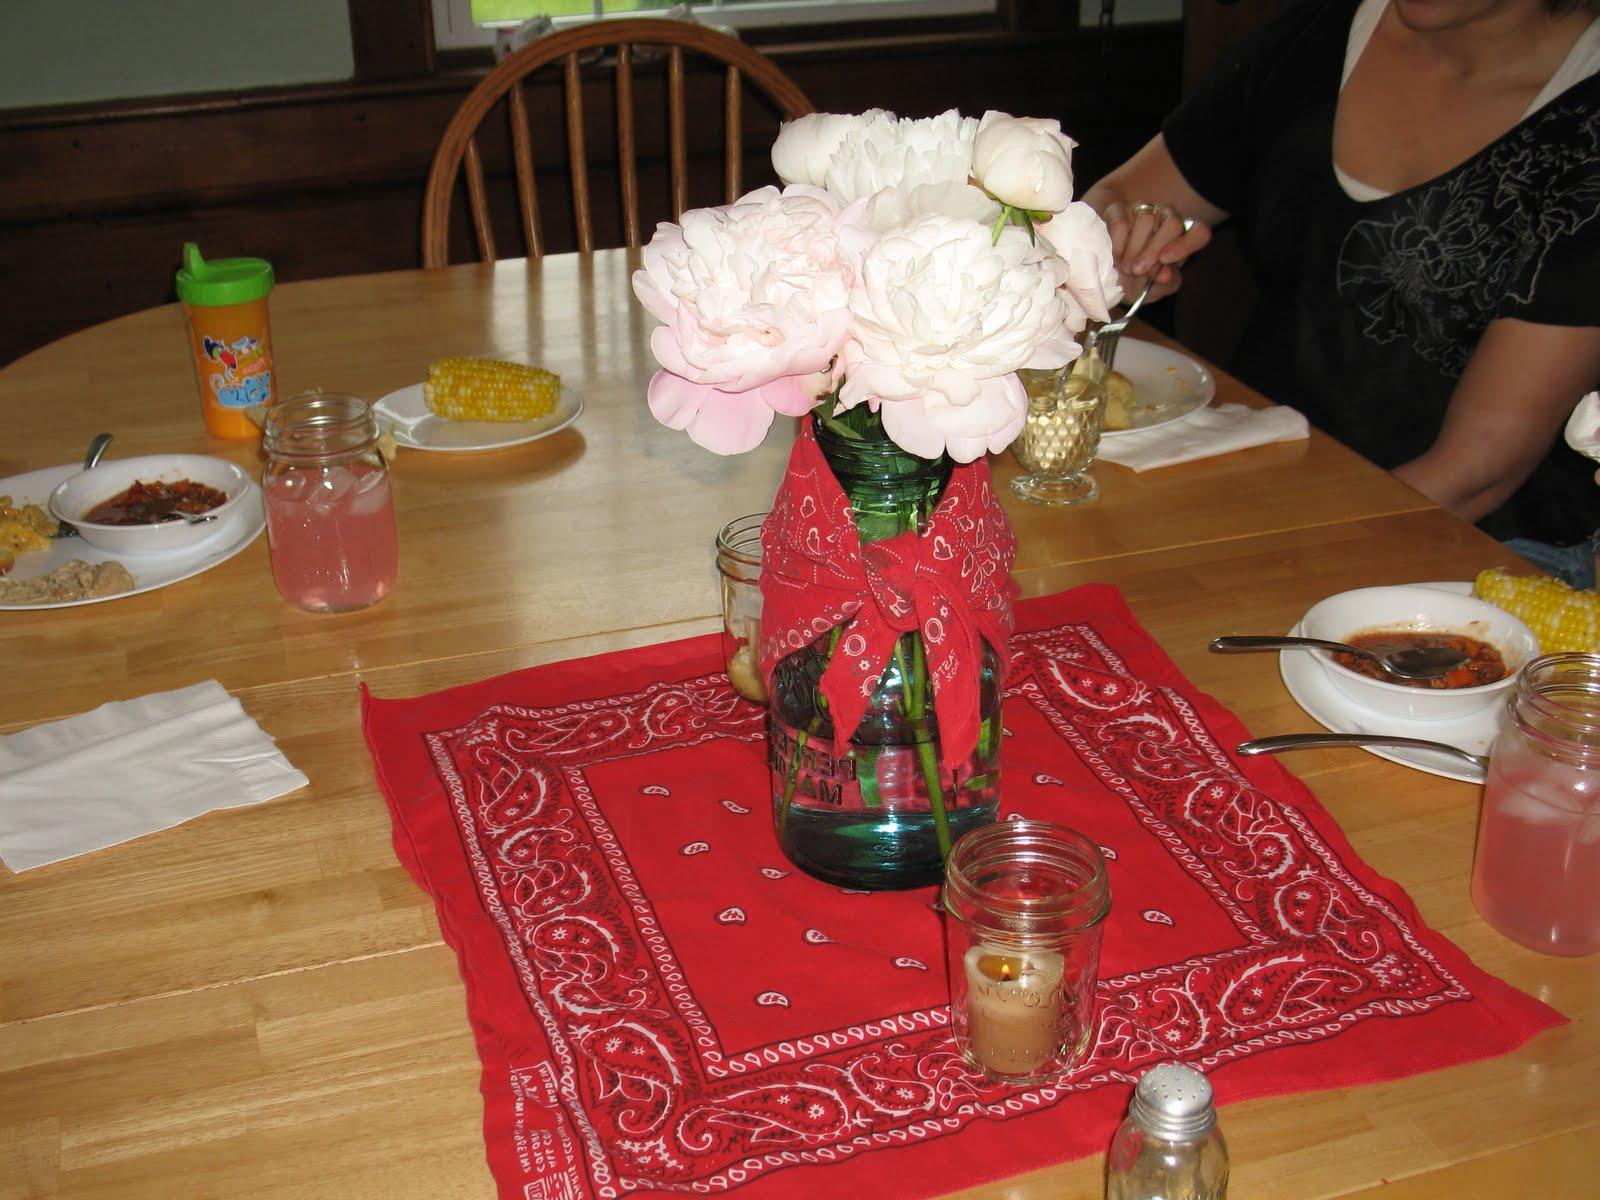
(664, 1006)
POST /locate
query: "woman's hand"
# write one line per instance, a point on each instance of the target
(1151, 239)
(1144, 203)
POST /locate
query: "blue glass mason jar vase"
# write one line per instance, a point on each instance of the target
(882, 812)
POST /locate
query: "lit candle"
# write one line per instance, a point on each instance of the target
(1014, 1008)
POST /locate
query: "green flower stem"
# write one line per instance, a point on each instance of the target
(917, 701)
(1025, 218)
(838, 426)
(800, 740)
(988, 732)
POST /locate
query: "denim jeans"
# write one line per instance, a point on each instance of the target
(1570, 564)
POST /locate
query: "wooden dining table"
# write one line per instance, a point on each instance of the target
(259, 1003)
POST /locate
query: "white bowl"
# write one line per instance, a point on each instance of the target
(1422, 609)
(77, 494)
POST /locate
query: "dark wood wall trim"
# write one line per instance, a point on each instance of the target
(328, 180)
(391, 39)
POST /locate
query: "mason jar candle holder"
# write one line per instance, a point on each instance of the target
(1025, 906)
(739, 569)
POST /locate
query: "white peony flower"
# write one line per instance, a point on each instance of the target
(1583, 427)
(886, 152)
(944, 316)
(1078, 235)
(750, 292)
(805, 147)
(1025, 162)
(895, 207)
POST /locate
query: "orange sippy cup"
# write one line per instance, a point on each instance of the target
(226, 301)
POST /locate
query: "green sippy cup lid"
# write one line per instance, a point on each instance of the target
(222, 280)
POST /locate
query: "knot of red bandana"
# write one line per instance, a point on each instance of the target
(952, 583)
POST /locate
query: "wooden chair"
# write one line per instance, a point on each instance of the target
(460, 143)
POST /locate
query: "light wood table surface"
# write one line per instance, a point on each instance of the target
(258, 1003)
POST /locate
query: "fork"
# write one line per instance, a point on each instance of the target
(1294, 741)
(1103, 341)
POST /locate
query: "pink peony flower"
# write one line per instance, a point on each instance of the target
(751, 295)
(730, 422)
(1079, 236)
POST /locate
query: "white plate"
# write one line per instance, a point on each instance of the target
(414, 426)
(234, 532)
(1311, 689)
(1167, 385)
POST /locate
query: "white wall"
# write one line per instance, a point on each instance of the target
(56, 52)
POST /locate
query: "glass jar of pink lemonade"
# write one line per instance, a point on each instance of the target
(330, 511)
(1536, 872)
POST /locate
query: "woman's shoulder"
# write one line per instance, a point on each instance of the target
(1564, 134)
(1292, 58)
(1580, 101)
(1313, 25)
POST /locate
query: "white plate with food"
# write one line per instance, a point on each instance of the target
(1166, 386)
(235, 530)
(1313, 691)
(405, 412)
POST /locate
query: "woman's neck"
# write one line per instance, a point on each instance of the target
(1505, 40)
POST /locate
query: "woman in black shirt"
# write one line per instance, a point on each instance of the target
(1419, 186)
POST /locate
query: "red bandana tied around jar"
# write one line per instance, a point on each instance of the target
(953, 582)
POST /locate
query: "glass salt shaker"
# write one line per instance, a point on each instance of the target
(1169, 1146)
(330, 510)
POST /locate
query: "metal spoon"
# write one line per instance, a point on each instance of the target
(1297, 741)
(192, 518)
(1413, 662)
(97, 447)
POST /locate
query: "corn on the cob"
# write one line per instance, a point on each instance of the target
(1561, 618)
(485, 389)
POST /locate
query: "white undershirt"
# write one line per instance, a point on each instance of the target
(1582, 61)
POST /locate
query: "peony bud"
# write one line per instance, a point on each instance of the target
(1025, 162)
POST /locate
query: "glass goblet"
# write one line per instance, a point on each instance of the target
(1061, 436)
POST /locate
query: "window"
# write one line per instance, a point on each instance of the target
(463, 23)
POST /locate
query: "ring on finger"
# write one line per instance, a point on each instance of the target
(1144, 208)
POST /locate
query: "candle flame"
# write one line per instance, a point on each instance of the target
(1001, 968)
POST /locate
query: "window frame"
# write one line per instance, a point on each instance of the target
(453, 29)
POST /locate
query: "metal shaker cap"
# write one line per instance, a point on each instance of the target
(1173, 1101)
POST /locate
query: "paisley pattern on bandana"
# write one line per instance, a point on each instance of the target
(952, 583)
(663, 1010)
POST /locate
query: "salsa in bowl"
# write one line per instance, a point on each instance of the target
(130, 505)
(1495, 645)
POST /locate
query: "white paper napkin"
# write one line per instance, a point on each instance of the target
(130, 768)
(1583, 427)
(1205, 433)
